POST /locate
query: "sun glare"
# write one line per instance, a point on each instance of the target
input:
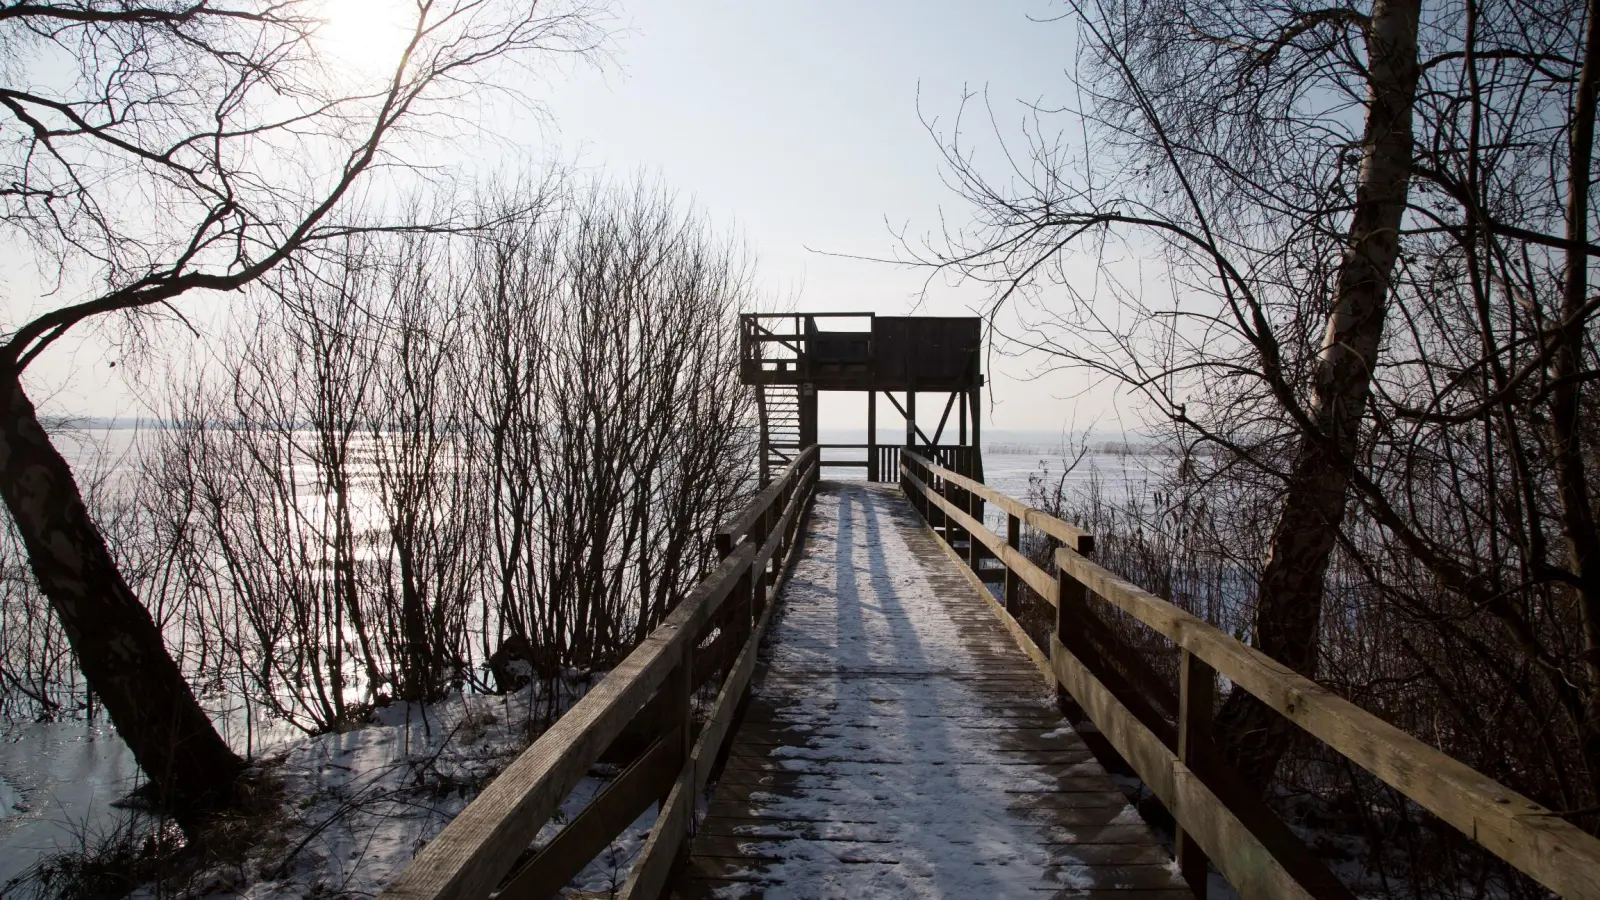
(365, 37)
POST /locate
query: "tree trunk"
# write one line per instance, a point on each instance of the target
(118, 646)
(1289, 604)
(1566, 368)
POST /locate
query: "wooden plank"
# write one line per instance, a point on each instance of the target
(1060, 853)
(607, 815)
(1542, 845)
(471, 855)
(759, 827)
(1072, 536)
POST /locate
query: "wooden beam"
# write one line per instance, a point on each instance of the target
(912, 431)
(622, 801)
(939, 432)
(977, 442)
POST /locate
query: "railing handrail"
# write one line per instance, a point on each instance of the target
(1535, 840)
(475, 852)
(1510, 825)
(808, 315)
(739, 525)
(1071, 535)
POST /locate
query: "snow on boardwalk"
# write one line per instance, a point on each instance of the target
(898, 744)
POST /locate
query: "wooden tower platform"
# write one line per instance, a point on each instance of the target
(791, 358)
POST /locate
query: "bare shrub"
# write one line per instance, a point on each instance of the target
(425, 450)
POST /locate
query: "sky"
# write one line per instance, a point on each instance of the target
(802, 127)
(806, 126)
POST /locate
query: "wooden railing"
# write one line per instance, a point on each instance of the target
(787, 342)
(714, 631)
(1219, 816)
(882, 461)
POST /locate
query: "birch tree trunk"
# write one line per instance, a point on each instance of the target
(119, 648)
(1289, 604)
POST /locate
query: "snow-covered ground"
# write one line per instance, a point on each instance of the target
(356, 806)
(364, 802)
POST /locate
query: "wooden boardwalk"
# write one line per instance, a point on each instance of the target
(897, 743)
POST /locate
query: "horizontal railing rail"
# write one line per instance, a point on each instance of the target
(715, 629)
(882, 461)
(1219, 816)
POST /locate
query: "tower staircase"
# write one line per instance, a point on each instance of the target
(779, 409)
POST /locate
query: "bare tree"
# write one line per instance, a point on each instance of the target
(427, 453)
(614, 432)
(422, 445)
(1371, 230)
(245, 151)
(1289, 603)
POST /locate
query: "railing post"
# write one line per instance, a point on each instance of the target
(678, 711)
(758, 581)
(769, 572)
(872, 437)
(1013, 583)
(975, 548)
(744, 601)
(944, 519)
(776, 512)
(1197, 690)
(1071, 596)
(758, 577)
